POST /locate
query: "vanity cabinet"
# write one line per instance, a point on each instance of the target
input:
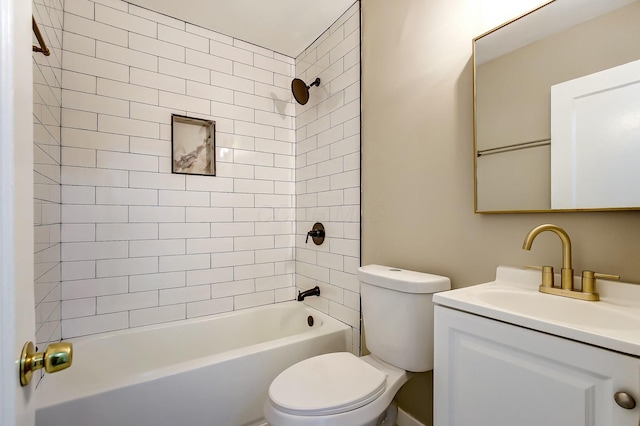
(491, 373)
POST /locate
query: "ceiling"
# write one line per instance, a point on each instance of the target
(284, 26)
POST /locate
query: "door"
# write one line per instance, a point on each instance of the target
(595, 130)
(17, 323)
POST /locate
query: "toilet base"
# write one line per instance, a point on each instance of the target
(390, 415)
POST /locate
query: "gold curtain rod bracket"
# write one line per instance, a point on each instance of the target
(43, 46)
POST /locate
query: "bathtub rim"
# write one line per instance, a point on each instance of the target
(47, 397)
(195, 320)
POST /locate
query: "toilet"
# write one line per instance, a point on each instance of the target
(340, 389)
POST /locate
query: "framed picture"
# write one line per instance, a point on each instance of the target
(193, 145)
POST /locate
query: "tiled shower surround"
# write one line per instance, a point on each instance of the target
(328, 171)
(46, 172)
(141, 245)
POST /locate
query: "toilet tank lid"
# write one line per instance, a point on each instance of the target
(403, 280)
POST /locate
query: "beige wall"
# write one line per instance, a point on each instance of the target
(417, 160)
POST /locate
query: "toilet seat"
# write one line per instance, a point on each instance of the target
(327, 384)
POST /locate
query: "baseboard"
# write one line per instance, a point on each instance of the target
(405, 419)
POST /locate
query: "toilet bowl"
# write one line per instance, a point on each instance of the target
(340, 389)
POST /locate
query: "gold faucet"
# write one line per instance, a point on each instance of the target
(587, 292)
(567, 271)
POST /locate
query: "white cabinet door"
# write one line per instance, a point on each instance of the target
(488, 373)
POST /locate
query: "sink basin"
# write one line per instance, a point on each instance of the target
(613, 322)
(574, 313)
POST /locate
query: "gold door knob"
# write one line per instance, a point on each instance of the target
(56, 357)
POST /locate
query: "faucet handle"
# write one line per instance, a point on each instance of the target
(547, 274)
(589, 280)
(317, 234)
(534, 267)
(609, 277)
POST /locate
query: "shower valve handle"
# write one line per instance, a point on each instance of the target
(316, 233)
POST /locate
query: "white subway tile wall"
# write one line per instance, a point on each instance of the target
(327, 183)
(47, 93)
(141, 245)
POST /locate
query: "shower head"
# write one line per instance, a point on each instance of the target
(301, 90)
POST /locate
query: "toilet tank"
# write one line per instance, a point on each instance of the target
(397, 311)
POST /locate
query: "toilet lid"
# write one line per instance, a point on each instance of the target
(327, 384)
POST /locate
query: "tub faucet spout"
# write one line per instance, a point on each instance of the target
(311, 292)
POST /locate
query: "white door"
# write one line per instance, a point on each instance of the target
(595, 140)
(16, 209)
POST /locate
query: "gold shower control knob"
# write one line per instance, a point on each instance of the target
(56, 357)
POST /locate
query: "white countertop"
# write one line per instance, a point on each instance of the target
(612, 323)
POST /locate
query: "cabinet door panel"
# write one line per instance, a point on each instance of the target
(489, 373)
(525, 390)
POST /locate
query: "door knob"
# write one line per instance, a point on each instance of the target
(624, 400)
(56, 357)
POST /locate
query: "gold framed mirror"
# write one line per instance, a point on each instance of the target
(526, 152)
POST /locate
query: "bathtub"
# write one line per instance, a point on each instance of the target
(212, 371)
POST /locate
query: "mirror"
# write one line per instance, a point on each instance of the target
(557, 109)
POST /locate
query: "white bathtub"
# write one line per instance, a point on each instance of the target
(212, 371)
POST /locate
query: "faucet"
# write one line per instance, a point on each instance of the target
(588, 283)
(567, 271)
(311, 292)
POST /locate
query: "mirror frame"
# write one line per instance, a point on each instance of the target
(475, 127)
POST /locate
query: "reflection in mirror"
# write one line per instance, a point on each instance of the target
(526, 142)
